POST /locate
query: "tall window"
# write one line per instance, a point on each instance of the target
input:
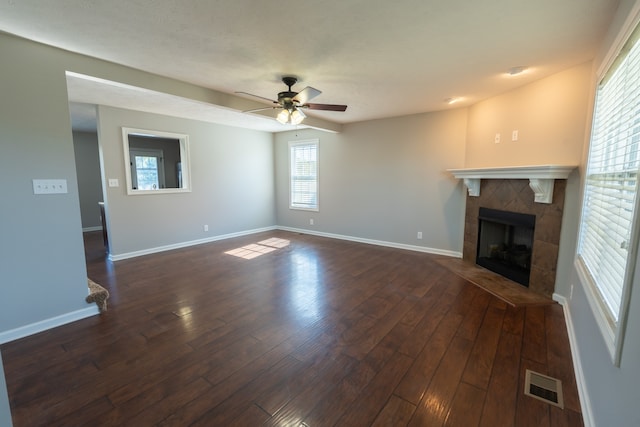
(607, 244)
(303, 175)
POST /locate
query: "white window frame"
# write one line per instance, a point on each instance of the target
(292, 145)
(185, 162)
(612, 331)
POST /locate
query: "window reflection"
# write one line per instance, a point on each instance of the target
(304, 289)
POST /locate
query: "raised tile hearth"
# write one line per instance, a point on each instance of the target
(498, 286)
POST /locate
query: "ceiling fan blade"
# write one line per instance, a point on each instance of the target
(306, 94)
(328, 107)
(258, 96)
(260, 109)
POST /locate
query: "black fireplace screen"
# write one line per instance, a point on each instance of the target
(505, 243)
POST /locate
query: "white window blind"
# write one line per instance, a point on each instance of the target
(303, 171)
(607, 239)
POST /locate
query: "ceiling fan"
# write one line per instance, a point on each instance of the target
(292, 103)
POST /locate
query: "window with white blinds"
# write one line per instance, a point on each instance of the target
(303, 174)
(607, 242)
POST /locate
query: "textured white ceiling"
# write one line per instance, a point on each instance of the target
(381, 58)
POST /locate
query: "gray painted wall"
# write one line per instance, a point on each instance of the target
(87, 158)
(5, 410)
(385, 180)
(41, 248)
(232, 184)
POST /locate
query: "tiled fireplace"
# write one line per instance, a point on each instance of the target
(510, 190)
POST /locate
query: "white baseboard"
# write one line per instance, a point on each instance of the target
(149, 251)
(585, 403)
(158, 249)
(424, 249)
(435, 251)
(43, 325)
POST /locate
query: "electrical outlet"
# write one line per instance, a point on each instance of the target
(514, 135)
(206, 227)
(419, 235)
(311, 221)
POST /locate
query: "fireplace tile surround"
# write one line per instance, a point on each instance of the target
(516, 195)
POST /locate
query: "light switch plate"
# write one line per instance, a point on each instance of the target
(50, 186)
(113, 182)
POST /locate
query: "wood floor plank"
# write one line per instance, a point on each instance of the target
(475, 314)
(297, 409)
(275, 398)
(466, 407)
(252, 416)
(397, 412)
(423, 304)
(500, 403)
(429, 323)
(419, 375)
(513, 321)
(25, 356)
(366, 342)
(327, 411)
(320, 332)
(478, 369)
(232, 407)
(364, 410)
(149, 397)
(39, 385)
(197, 408)
(225, 362)
(435, 404)
(161, 409)
(534, 341)
(565, 418)
(86, 415)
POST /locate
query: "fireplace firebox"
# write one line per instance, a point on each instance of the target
(505, 243)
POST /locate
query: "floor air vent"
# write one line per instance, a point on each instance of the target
(543, 388)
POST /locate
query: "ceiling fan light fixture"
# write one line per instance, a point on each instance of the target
(297, 116)
(290, 102)
(283, 117)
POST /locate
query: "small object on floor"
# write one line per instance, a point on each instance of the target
(97, 294)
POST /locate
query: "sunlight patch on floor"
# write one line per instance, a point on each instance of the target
(257, 249)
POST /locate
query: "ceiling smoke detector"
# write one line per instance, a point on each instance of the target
(514, 71)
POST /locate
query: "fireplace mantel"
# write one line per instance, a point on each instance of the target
(541, 178)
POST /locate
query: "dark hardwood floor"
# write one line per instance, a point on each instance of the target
(317, 332)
